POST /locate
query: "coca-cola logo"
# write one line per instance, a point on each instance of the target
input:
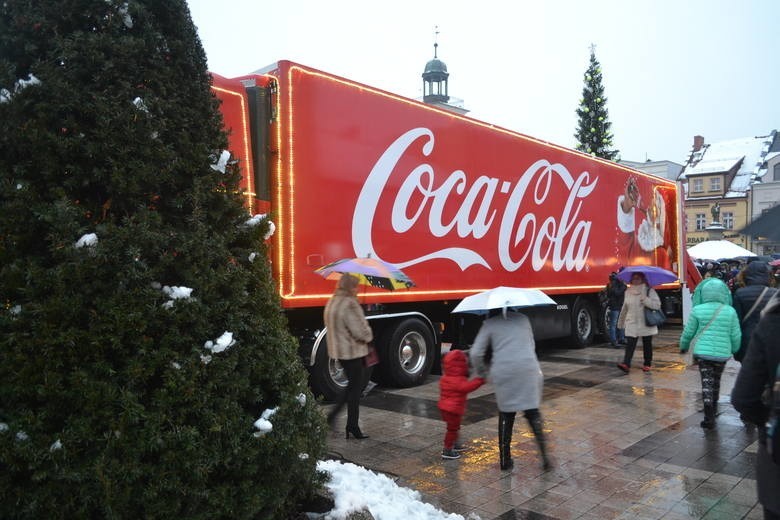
(560, 240)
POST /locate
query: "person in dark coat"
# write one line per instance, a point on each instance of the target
(616, 291)
(516, 375)
(454, 386)
(751, 299)
(759, 367)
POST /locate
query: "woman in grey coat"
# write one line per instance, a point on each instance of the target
(516, 376)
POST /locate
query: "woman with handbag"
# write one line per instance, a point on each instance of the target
(638, 297)
(713, 335)
(348, 337)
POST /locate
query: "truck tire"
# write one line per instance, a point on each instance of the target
(327, 378)
(583, 323)
(604, 322)
(406, 353)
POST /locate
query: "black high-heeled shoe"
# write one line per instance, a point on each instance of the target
(356, 433)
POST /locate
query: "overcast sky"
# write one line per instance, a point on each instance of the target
(671, 68)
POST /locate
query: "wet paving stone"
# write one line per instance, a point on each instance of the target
(624, 446)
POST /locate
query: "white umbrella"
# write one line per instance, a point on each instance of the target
(503, 298)
(717, 249)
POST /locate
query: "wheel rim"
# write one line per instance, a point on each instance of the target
(584, 324)
(412, 353)
(337, 374)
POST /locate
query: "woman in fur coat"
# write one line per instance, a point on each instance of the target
(347, 338)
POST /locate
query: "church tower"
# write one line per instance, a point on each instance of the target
(435, 88)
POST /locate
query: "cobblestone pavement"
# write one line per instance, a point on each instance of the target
(624, 446)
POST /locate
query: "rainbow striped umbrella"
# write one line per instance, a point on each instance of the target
(369, 271)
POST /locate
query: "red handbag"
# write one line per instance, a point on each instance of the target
(372, 358)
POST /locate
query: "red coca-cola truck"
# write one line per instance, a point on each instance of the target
(347, 170)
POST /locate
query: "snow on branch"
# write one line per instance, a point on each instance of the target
(88, 240)
(126, 18)
(221, 344)
(222, 162)
(263, 424)
(257, 219)
(21, 84)
(176, 293)
(140, 105)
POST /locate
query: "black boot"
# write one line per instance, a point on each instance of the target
(535, 421)
(709, 417)
(506, 421)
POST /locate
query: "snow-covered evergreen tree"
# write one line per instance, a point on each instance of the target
(139, 344)
(593, 134)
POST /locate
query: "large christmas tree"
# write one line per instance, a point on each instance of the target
(141, 339)
(593, 134)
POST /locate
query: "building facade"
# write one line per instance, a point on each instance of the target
(765, 195)
(717, 180)
(666, 169)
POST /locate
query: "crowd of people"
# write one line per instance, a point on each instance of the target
(504, 350)
(738, 319)
(736, 312)
(731, 271)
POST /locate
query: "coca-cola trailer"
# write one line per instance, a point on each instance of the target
(346, 170)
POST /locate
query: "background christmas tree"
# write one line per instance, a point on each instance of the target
(140, 337)
(593, 135)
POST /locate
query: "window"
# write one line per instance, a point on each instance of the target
(701, 221)
(715, 184)
(698, 185)
(728, 219)
(776, 169)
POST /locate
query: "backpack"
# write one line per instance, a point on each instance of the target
(773, 423)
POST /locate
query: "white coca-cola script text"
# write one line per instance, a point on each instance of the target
(560, 240)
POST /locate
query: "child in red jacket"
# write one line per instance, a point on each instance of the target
(454, 385)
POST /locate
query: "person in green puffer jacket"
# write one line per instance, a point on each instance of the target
(714, 335)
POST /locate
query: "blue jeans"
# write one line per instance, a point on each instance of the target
(616, 335)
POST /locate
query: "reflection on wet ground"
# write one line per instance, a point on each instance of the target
(625, 446)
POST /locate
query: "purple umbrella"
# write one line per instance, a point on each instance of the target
(655, 275)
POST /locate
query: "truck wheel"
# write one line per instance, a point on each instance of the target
(583, 325)
(604, 322)
(406, 354)
(327, 377)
